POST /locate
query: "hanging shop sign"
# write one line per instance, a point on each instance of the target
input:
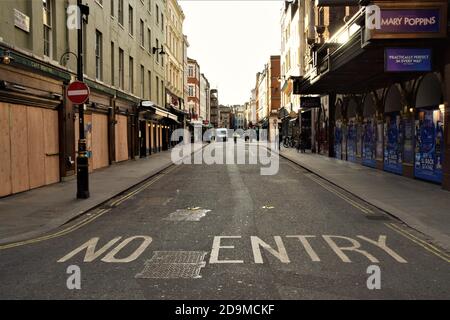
(408, 60)
(402, 21)
(369, 143)
(393, 148)
(429, 142)
(310, 102)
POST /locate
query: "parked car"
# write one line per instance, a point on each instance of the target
(222, 134)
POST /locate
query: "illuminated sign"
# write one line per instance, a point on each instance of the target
(408, 60)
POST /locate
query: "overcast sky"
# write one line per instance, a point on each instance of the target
(232, 40)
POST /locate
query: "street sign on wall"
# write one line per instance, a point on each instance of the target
(78, 92)
(310, 102)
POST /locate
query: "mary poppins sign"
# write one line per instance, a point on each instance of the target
(410, 20)
(404, 21)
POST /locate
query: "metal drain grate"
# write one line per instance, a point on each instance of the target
(174, 265)
(187, 215)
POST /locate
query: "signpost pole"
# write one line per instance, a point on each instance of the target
(82, 158)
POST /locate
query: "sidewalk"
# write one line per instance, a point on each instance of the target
(33, 213)
(421, 205)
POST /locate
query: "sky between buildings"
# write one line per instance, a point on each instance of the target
(232, 40)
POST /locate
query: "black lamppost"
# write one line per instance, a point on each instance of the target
(82, 158)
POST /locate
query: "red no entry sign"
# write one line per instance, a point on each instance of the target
(78, 92)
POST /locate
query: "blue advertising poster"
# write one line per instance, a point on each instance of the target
(429, 141)
(393, 147)
(369, 144)
(351, 142)
(408, 60)
(338, 141)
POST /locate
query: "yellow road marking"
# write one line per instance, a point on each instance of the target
(141, 188)
(87, 220)
(419, 242)
(57, 234)
(340, 195)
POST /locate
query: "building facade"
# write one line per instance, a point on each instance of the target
(39, 124)
(268, 97)
(390, 114)
(225, 117)
(214, 107)
(174, 48)
(193, 82)
(205, 100)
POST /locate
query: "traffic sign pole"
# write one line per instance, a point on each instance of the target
(82, 158)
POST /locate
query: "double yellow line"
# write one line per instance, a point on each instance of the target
(90, 219)
(119, 201)
(340, 195)
(57, 234)
(427, 246)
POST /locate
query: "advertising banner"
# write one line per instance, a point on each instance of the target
(429, 143)
(393, 147)
(338, 140)
(408, 60)
(351, 141)
(369, 143)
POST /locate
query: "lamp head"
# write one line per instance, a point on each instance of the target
(7, 59)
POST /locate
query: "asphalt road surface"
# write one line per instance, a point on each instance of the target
(227, 232)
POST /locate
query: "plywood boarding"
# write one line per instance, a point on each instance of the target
(51, 146)
(121, 142)
(88, 136)
(19, 149)
(36, 155)
(100, 141)
(5, 151)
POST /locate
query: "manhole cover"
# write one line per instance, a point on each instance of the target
(190, 214)
(174, 265)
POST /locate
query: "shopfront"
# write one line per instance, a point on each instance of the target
(155, 128)
(400, 70)
(30, 108)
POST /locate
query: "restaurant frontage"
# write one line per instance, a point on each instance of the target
(388, 90)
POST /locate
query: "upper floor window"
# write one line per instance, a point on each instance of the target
(121, 12)
(130, 20)
(98, 55)
(47, 19)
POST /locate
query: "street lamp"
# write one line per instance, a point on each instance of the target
(82, 157)
(161, 50)
(6, 58)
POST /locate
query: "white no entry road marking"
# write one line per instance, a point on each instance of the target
(339, 245)
(228, 249)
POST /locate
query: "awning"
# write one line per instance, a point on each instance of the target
(156, 112)
(287, 86)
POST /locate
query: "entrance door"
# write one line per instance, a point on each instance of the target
(142, 139)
